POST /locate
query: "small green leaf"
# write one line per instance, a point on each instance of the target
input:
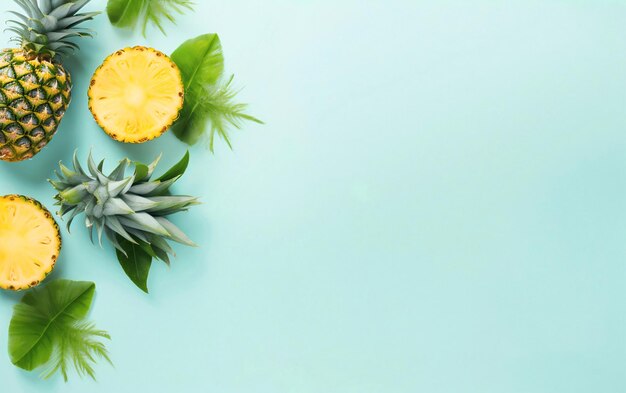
(49, 328)
(141, 172)
(177, 170)
(136, 263)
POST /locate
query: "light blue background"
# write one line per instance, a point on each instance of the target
(436, 204)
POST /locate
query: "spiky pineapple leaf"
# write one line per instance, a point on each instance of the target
(130, 211)
(137, 261)
(209, 107)
(129, 13)
(48, 328)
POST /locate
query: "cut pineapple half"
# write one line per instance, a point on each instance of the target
(30, 242)
(136, 94)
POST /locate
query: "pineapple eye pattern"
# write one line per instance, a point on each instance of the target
(34, 95)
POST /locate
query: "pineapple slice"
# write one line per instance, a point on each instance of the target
(30, 242)
(136, 94)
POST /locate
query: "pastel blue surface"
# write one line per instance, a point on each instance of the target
(436, 204)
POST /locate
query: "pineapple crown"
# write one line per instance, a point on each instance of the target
(47, 27)
(131, 208)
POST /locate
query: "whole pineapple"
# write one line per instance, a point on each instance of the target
(35, 88)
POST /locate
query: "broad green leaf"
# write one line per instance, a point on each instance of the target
(200, 60)
(209, 108)
(128, 13)
(124, 13)
(136, 263)
(177, 170)
(49, 328)
(201, 63)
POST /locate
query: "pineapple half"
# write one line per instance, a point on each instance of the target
(136, 94)
(35, 88)
(30, 242)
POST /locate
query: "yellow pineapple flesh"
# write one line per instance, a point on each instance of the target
(30, 242)
(136, 94)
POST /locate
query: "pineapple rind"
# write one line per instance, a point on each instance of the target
(34, 95)
(17, 286)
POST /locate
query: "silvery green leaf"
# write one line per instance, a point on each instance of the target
(91, 165)
(138, 203)
(89, 206)
(74, 195)
(114, 224)
(145, 222)
(72, 216)
(91, 186)
(66, 209)
(98, 210)
(58, 185)
(116, 188)
(62, 11)
(77, 167)
(67, 172)
(172, 203)
(153, 166)
(144, 188)
(159, 242)
(140, 235)
(116, 206)
(118, 172)
(99, 229)
(110, 234)
(175, 234)
(77, 5)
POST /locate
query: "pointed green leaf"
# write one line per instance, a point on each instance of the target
(177, 170)
(136, 263)
(141, 171)
(124, 13)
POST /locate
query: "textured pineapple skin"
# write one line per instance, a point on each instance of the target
(54, 257)
(34, 95)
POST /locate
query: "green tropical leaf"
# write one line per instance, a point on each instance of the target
(177, 170)
(208, 99)
(141, 171)
(49, 328)
(124, 13)
(200, 60)
(129, 13)
(137, 261)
